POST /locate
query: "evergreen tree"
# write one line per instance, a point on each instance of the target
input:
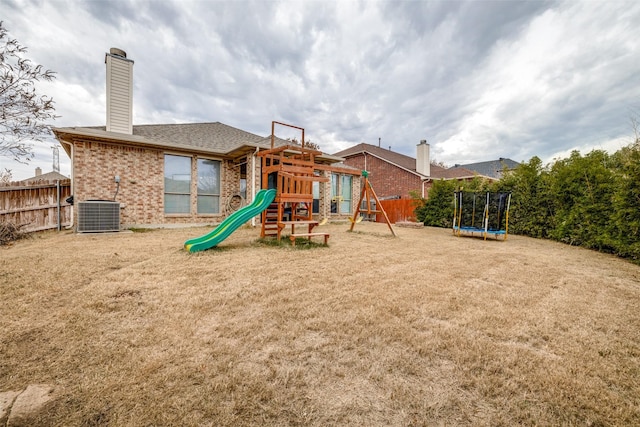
(626, 217)
(532, 212)
(437, 210)
(583, 188)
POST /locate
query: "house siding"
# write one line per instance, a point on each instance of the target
(386, 179)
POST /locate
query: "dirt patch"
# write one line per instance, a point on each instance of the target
(423, 329)
(19, 408)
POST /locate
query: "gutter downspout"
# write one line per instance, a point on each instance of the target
(253, 181)
(423, 183)
(58, 204)
(70, 226)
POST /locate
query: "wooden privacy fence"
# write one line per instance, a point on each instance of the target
(36, 207)
(397, 210)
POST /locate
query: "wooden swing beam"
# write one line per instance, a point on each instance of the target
(367, 194)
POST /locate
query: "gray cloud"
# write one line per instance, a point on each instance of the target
(479, 80)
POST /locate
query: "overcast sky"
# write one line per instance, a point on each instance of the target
(478, 80)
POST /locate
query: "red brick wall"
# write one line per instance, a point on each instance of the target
(386, 179)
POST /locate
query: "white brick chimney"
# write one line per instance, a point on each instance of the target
(423, 162)
(119, 91)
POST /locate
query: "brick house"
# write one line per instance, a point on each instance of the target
(179, 173)
(394, 175)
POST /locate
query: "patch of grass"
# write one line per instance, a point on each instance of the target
(270, 241)
(302, 243)
(142, 230)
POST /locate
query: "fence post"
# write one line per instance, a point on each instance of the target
(58, 203)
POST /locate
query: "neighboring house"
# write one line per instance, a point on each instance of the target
(44, 177)
(491, 169)
(394, 175)
(179, 173)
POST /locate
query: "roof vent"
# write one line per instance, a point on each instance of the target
(118, 52)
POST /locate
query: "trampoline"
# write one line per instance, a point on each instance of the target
(481, 214)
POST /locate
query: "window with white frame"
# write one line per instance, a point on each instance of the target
(177, 184)
(208, 186)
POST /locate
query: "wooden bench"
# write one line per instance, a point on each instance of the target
(309, 235)
(301, 222)
(293, 224)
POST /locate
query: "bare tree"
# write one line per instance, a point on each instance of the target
(22, 111)
(307, 143)
(5, 176)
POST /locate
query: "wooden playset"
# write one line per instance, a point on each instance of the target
(286, 196)
(291, 170)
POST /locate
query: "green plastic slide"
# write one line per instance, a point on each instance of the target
(231, 223)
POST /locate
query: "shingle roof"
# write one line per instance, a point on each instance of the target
(215, 136)
(452, 173)
(491, 168)
(48, 177)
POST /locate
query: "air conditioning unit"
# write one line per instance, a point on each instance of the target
(98, 216)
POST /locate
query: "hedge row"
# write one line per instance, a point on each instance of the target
(591, 201)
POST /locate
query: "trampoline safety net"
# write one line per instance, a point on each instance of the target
(485, 213)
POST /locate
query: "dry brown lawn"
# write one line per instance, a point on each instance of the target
(423, 329)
